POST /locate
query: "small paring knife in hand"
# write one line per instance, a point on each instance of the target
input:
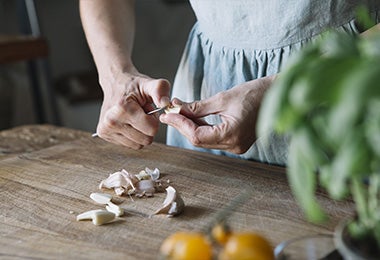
(157, 110)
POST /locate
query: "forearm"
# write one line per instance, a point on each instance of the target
(109, 27)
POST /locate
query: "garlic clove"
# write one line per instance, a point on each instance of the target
(101, 198)
(88, 214)
(173, 109)
(98, 216)
(173, 203)
(102, 217)
(117, 210)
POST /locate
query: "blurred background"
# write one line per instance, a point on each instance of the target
(66, 75)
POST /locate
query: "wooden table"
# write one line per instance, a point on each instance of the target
(47, 174)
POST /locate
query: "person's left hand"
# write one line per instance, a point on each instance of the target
(238, 109)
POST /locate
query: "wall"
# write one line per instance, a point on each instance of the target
(161, 34)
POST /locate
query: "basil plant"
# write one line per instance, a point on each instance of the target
(327, 99)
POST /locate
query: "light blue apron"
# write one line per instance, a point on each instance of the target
(235, 41)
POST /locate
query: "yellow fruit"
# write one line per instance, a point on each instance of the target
(247, 246)
(220, 233)
(186, 246)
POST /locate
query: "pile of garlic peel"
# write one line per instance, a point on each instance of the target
(145, 183)
(124, 182)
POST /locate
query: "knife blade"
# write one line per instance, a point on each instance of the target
(157, 110)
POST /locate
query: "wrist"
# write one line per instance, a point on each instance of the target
(111, 73)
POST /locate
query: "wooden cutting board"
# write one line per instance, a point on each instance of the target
(43, 191)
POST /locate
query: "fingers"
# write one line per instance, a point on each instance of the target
(119, 138)
(127, 124)
(234, 134)
(202, 108)
(158, 90)
(124, 134)
(123, 119)
(206, 136)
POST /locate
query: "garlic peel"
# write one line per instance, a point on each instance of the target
(120, 181)
(154, 174)
(173, 203)
(145, 187)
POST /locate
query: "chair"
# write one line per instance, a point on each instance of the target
(31, 47)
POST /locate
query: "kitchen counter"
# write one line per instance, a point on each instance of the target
(47, 174)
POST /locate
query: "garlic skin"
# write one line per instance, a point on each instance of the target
(145, 187)
(173, 203)
(121, 182)
(154, 174)
(148, 174)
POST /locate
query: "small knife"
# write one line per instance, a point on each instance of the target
(157, 110)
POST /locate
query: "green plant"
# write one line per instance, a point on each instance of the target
(328, 100)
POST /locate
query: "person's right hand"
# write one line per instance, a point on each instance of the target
(127, 99)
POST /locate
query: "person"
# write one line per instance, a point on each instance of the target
(232, 56)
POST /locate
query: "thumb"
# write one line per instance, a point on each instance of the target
(201, 108)
(159, 91)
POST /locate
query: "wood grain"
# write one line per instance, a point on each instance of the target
(39, 189)
(29, 138)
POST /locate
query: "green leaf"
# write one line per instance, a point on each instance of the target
(352, 160)
(360, 195)
(372, 126)
(359, 86)
(338, 44)
(325, 79)
(302, 162)
(275, 111)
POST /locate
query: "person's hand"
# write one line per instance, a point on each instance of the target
(127, 98)
(238, 110)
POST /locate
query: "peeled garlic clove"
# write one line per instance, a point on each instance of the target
(173, 203)
(102, 217)
(98, 216)
(173, 109)
(118, 211)
(88, 214)
(101, 198)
